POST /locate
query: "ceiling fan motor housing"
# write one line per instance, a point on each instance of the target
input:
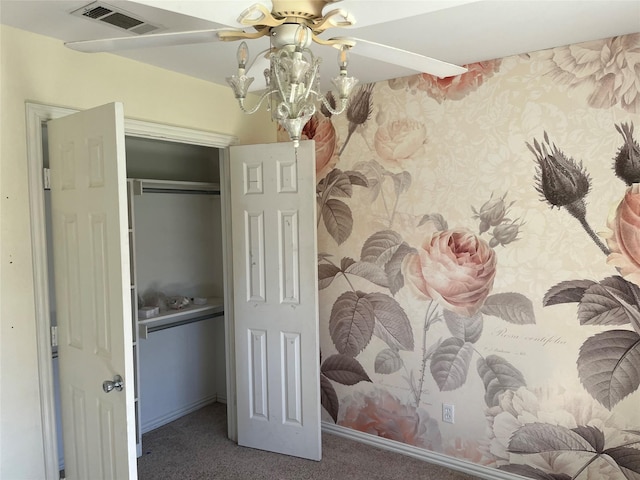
(308, 9)
(289, 34)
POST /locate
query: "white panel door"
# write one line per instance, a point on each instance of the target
(93, 293)
(275, 285)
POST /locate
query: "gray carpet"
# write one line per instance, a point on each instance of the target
(196, 447)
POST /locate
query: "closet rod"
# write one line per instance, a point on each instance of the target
(183, 191)
(178, 323)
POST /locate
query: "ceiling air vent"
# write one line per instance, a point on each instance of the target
(105, 13)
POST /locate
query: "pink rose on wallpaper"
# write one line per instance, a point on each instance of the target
(467, 450)
(320, 129)
(455, 268)
(456, 88)
(624, 240)
(609, 67)
(382, 414)
(399, 140)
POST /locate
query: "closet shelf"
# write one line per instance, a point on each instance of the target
(173, 318)
(142, 185)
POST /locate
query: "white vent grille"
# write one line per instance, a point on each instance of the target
(105, 13)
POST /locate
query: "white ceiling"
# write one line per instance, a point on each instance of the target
(460, 32)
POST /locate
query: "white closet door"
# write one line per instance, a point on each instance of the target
(275, 298)
(93, 296)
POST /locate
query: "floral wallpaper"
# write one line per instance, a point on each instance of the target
(479, 246)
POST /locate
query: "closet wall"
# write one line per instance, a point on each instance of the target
(178, 252)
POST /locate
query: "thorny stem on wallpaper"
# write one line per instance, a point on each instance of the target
(350, 132)
(429, 319)
(593, 235)
(395, 208)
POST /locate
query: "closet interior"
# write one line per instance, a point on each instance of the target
(177, 287)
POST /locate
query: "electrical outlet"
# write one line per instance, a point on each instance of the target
(448, 413)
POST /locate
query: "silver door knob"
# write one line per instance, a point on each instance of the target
(109, 385)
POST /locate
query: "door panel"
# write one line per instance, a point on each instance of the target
(93, 296)
(275, 298)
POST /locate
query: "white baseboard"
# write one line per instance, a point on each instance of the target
(463, 466)
(154, 423)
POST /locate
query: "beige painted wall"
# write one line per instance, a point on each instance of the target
(39, 69)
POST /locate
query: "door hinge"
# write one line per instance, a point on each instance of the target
(46, 178)
(54, 336)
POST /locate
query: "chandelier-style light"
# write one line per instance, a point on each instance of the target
(292, 79)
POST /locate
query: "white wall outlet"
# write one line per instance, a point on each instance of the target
(448, 415)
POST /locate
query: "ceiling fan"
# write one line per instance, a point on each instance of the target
(291, 76)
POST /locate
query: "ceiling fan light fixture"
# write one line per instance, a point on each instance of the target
(292, 80)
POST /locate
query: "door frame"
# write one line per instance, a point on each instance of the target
(36, 115)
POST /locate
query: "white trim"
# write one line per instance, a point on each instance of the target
(227, 267)
(157, 422)
(139, 128)
(36, 114)
(463, 466)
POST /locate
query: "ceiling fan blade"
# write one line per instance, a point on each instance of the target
(403, 58)
(385, 11)
(146, 41)
(223, 12)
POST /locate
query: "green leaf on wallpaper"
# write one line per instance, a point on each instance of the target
(533, 473)
(436, 219)
(450, 363)
(511, 307)
(545, 437)
(591, 434)
(337, 219)
(369, 271)
(351, 323)
(566, 292)
(392, 323)
(344, 369)
(498, 376)
(373, 173)
(326, 273)
(357, 178)
(468, 329)
(338, 184)
(346, 262)
(631, 310)
(609, 365)
(388, 361)
(380, 247)
(329, 398)
(393, 267)
(610, 302)
(401, 182)
(628, 459)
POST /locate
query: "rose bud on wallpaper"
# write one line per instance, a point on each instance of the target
(627, 162)
(505, 233)
(492, 213)
(563, 183)
(359, 110)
